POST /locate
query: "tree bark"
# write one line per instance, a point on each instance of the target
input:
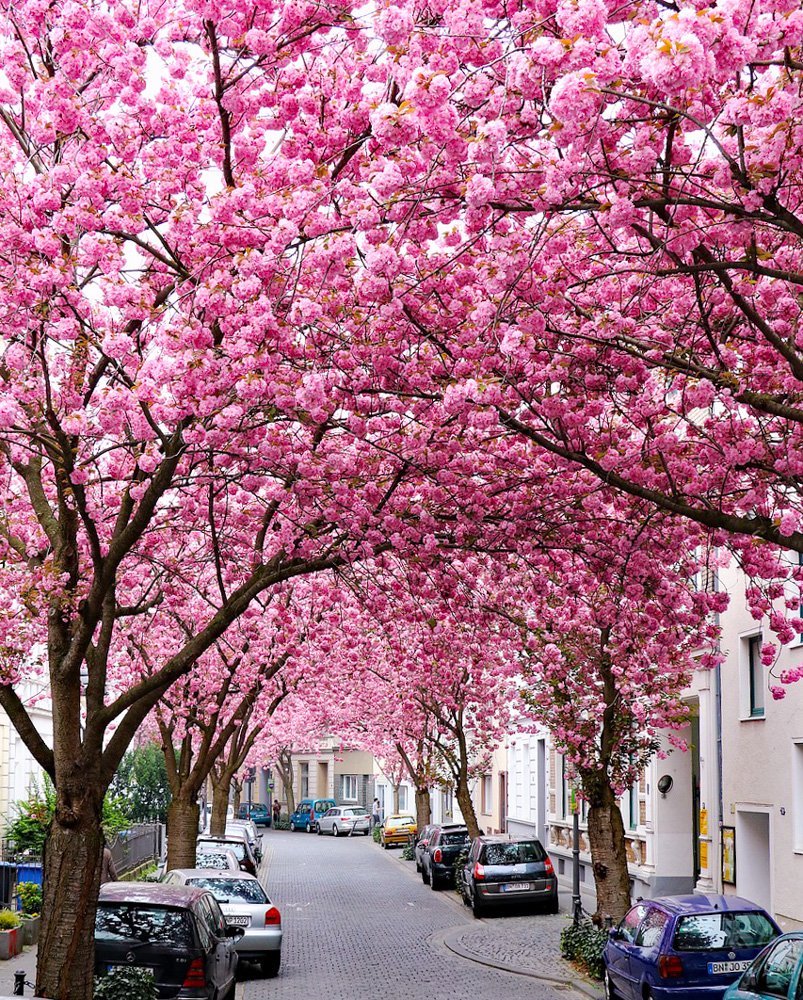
(237, 789)
(464, 800)
(183, 816)
(71, 879)
(396, 799)
(220, 803)
(606, 835)
(423, 807)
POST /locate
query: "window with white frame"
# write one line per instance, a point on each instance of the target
(486, 794)
(349, 787)
(304, 782)
(402, 798)
(565, 805)
(797, 794)
(755, 682)
(448, 803)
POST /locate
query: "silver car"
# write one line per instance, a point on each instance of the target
(345, 819)
(244, 904)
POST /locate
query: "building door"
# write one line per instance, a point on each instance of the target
(753, 869)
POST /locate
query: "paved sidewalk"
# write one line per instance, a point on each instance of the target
(25, 961)
(528, 945)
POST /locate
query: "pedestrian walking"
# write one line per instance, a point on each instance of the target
(376, 816)
(108, 871)
(277, 811)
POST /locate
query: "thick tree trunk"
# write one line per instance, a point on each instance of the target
(606, 835)
(396, 799)
(463, 795)
(220, 804)
(183, 816)
(423, 808)
(71, 879)
(237, 789)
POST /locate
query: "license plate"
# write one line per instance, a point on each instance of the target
(112, 967)
(717, 968)
(238, 921)
(515, 886)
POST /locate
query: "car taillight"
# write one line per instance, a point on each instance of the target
(196, 975)
(479, 872)
(437, 855)
(670, 966)
(272, 917)
(548, 867)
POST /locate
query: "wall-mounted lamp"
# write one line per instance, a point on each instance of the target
(665, 783)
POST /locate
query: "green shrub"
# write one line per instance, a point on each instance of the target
(377, 835)
(408, 854)
(282, 824)
(584, 944)
(8, 920)
(126, 984)
(30, 896)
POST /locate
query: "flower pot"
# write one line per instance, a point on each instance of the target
(10, 943)
(30, 928)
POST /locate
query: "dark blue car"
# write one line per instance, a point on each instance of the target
(684, 947)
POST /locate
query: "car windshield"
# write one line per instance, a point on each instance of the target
(140, 922)
(710, 931)
(237, 846)
(244, 890)
(401, 821)
(521, 853)
(209, 859)
(457, 837)
(358, 812)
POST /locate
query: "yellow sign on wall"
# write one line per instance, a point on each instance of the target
(703, 855)
(703, 822)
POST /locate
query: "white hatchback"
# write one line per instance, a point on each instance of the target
(345, 819)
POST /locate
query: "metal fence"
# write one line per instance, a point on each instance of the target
(137, 845)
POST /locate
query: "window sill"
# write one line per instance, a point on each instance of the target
(752, 718)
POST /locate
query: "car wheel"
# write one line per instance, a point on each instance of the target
(335, 831)
(418, 868)
(553, 906)
(270, 964)
(477, 908)
(425, 876)
(292, 826)
(308, 827)
(434, 882)
(319, 831)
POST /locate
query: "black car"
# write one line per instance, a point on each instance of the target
(179, 933)
(446, 844)
(241, 849)
(504, 871)
(421, 845)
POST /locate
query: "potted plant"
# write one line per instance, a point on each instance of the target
(10, 936)
(30, 897)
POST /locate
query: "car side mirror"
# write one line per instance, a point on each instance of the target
(614, 934)
(234, 932)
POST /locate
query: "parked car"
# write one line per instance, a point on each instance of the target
(249, 828)
(684, 947)
(446, 844)
(505, 871)
(244, 904)
(178, 932)
(221, 860)
(257, 811)
(777, 972)
(308, 812)
(421, 844)
(397, 829)
(345, 819)
(239, 845)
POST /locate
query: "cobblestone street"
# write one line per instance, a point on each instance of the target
(360, 923)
